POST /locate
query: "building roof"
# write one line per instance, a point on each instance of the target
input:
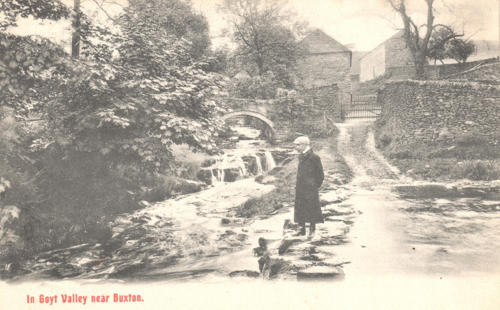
(318, 42)
(398, 35)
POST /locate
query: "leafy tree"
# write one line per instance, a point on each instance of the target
(42, 9)
(178, 18)
(260, 31)
(438, 42)
(104, 120)
(460, 50)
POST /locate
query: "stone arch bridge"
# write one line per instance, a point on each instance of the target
(257, 109)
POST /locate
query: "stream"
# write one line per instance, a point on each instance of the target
(378, 224)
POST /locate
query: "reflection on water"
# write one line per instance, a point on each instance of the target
(459, 235)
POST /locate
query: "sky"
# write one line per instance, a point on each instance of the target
(363, 24)
(359, 24)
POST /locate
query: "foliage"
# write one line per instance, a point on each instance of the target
(460, 50)
(103, 124)
(176, 17)
(257, 87)
(44, 9)
(265, 42)
(301, 115)
(438, 42)
(477, 170)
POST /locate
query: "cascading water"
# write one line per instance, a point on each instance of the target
(270, 163)
(258, 164)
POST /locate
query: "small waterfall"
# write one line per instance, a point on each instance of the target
(259, 164)
(220, 175)
(270, 163)
(243, 169)
(213, 178)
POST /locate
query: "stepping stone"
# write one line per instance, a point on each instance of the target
(320, 272)
(245, 273)
(285, 244)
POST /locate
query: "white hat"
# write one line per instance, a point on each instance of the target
(302, 140)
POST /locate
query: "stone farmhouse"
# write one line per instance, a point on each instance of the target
(327, 62)
(393, 59)
(392, 53)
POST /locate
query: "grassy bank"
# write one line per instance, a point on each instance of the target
(469, 156)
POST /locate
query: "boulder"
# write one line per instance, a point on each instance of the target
(250, 164)
(185, 186)
(273, 267)
(208, 162)
(205, 175)
(244, 273)
(286, 244)
(231, 174)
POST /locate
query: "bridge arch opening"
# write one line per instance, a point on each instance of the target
(268, 131)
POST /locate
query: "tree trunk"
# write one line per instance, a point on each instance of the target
(260, 65)
(75, 41)
(420, 62)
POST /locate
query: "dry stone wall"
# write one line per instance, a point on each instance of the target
(488, 73)
(429, 112)
(445, 71)
(310, 111)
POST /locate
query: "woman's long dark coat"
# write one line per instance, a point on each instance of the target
(309, 178)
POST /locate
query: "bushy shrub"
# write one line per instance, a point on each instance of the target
(106, 124)
(385, 140)
(477, 170)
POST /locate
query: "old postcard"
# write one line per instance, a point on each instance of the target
(246, 154)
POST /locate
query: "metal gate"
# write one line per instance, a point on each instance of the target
(361, 107)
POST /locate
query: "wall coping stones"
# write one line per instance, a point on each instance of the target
(447, 83)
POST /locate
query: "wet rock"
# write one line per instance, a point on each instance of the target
(329, 197)
(320, 272)
(285, 244)
(209, 162)
(335, 210)
(273, 267)
(250, 164)
(333, 240)
(276, 170)
(65, 271)
(265, 179)
(289, 225)
(244, 273)
(205, 175)
(128, 269)
(184, 186)
(241, 237)
(280, 155)
(231, 174)
(335, 261)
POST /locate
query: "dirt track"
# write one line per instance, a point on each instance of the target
(426, 235)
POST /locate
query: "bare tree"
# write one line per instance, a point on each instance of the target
(417, 42)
